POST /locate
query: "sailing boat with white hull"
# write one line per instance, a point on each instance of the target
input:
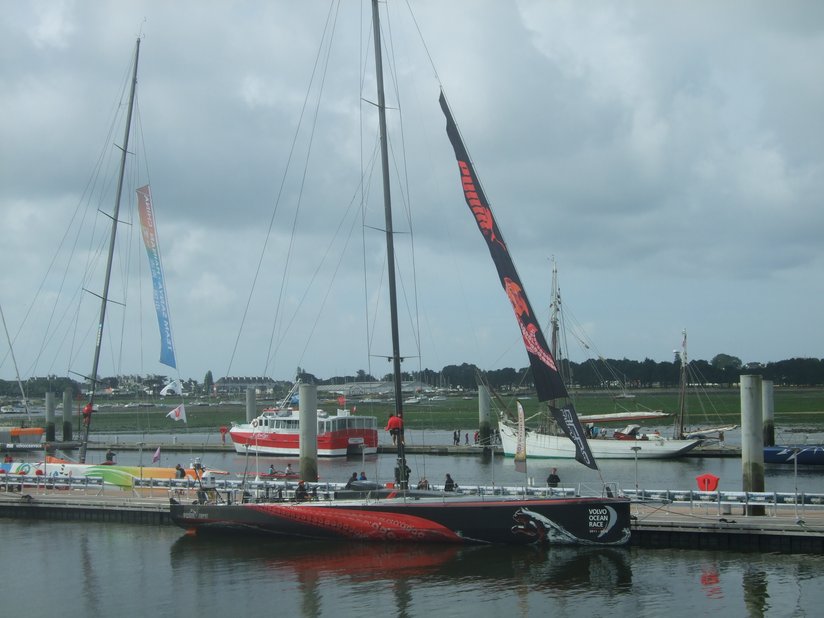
(401, 514)
(548, 441)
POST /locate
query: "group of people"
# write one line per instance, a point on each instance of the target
(355, 478)
(272, 471)
(494, 437)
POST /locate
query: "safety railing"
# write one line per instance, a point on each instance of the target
(726, 500)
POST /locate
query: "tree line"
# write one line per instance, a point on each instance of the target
(722, 370)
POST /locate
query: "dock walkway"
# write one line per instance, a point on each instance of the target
(791, 528)
(411, 449)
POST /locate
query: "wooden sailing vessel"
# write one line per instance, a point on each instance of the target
(548, 441)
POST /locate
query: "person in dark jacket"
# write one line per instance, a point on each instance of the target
(449, 484)
(553, 479)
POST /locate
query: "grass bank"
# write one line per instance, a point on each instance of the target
(793, 407)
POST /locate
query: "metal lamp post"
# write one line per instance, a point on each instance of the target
(635, 450)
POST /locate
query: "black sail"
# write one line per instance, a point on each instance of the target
(545, 372)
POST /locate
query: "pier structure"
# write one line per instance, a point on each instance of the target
(792, 523)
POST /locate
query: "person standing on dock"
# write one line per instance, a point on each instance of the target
(180, 473)
(553, 479)
(449, 484)
(110, 455)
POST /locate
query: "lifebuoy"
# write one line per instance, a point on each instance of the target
(254, 423)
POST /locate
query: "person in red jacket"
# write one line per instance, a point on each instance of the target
(393, 426)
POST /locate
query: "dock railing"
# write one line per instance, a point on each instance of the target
(725, 501)
(24, 482)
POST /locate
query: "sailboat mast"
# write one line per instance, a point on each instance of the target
(14, 361)
(682, 393)
(555, 310)
(87, 414)
(390, 246)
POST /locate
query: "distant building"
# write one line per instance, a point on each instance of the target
(361, 389)
(238, 385)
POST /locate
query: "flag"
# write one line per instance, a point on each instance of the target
(178, 414)
(520, 444)
(150, 241)
(156, 456)
(172, 388)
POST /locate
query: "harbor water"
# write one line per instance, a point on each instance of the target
(473, 469)
(90, 570)
(93, 569)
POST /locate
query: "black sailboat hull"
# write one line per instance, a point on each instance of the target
(567, 521)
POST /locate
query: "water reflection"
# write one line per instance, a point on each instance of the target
(711, 581)
(155, 571)
(308, 562)
(755, 592)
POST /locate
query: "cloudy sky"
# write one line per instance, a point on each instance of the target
(668, 155)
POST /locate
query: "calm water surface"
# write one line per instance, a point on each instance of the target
(86, 569)
(92, 569)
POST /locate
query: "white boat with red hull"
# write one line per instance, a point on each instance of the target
(278, 433)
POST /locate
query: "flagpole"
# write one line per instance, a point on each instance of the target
(140, 460)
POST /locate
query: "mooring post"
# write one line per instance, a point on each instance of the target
(484, 423)
(67, 415)
(768, 408)
(752, 441)
(308, 415)
(50, 416)
(251, 404)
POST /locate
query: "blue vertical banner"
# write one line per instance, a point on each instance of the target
(147, 226)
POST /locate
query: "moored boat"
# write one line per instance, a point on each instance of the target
(277, 432)
(111, 474)
(398, 513)
(422, 517)
(547, 438)
(802, 454)
(548, 446)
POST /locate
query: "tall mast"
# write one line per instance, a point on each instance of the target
(682, 393)
(390, 247)
(87, 412)
(16, 370)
